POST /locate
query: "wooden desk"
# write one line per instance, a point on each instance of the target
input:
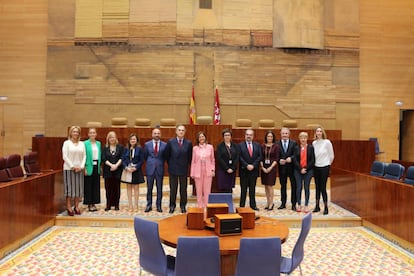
(175, 226)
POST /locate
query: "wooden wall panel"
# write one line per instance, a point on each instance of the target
(387, 63)
(22, 71)
(88, 22)
(298, 24)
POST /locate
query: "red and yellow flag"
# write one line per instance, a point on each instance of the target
(193, 117)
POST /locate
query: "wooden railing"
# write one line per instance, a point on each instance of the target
(28, 204)
(382, 202)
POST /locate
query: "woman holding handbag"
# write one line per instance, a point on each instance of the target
(132, 161)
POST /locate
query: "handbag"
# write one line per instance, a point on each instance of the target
(126, 176)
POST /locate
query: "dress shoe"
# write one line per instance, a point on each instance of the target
(317, 209)
(77, 211)
(293, 208)
(148, 209)
(267, 208)
(183, 210)
(94, 209)
(159, 209)
(271, 207)
(281, 207)
(325, 211)
(255, 208)
(70, 212)
(107, 209)
(116, 208)
(172, 209)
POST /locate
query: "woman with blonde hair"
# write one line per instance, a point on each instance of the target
(74, 157)
(112, 169)
(324, 156)
(303, 161)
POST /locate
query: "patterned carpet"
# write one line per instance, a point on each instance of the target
(104, 251)
(114, 251)
(334, 210)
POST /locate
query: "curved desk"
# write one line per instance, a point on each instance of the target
(175, 226)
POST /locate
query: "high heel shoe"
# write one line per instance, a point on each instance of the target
(77, 211)
(70, 212)
(271, 207)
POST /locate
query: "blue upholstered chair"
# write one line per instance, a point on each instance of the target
(152, 257)
(222, 198)
(394, 171)
(378, 168)
(259, 256)
(409, 177)
(197, 256)
(288, 265)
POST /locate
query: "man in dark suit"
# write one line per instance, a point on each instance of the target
(286, 155)
(250, 157)
(178, 154)
(154, 168)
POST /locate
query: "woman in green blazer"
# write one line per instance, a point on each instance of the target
(92, 191)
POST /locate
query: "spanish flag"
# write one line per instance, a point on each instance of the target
(193, 117)
(217, 117)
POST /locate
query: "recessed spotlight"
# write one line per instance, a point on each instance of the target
(399, 103)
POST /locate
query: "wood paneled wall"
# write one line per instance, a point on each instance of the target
(23, 36)
(381, 30)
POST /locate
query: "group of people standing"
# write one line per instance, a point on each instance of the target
(83, 162)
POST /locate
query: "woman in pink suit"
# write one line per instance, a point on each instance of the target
(202, 168)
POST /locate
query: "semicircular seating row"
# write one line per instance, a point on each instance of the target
(393, 171)
(201, 120)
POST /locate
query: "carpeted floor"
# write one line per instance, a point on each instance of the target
(114, 251)
(110, 251)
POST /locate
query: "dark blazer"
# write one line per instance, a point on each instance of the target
(178, 158)
(112, 158)
(310, 158)
(137, 160)
(245, 159)
(289, 153)
(223, 156)
(154, 161)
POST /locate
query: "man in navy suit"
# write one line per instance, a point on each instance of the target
(250, 157)
(178, 154)
(154, 168)
(286, 155)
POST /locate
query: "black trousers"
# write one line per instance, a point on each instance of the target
(92, 188)
(284, 174)
(174, 181)
(248, 182)
(321, 175)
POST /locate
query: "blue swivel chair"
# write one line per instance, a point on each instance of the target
(222, 198)
(409, 177)
(197, 256)
(259, 256)
(378, 168)
(288, 265)
(394, 171)
(152, 257)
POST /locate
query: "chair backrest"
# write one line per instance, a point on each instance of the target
(4, 177)
(409, 177)
(197, 256)
(30, 162)
(394, 171)
(378, 168)
(152, 256)
(13, 167)
(259, 256)
(375, 140)
(222, 198)
(299, 251)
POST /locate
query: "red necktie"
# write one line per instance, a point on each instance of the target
(180, 142)
(156, 148)
(250, 149)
